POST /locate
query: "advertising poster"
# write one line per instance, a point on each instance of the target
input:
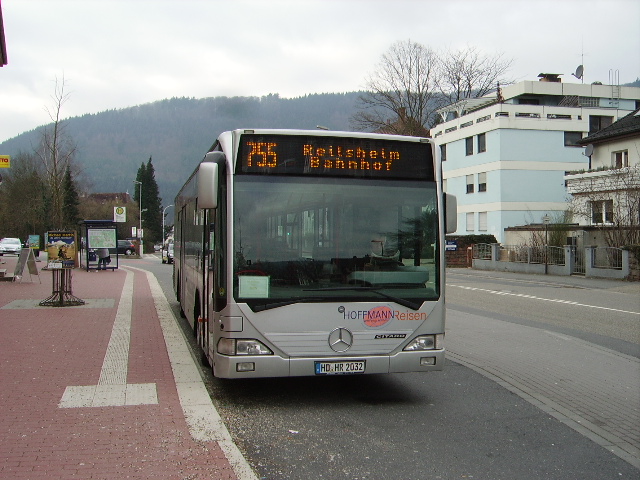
(34, 242)
(62, 250)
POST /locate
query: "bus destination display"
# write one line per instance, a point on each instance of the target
(335, 156)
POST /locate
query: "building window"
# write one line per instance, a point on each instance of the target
(620, 159)
(571, 139)
(589, 101)
(602, 212)
(470, 226)
(482, 182)
(443, 152)
(470, 184)
(482, 143)
(598, 122)
(482, 221)
(469, 145)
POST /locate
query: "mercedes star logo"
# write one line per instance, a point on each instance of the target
(340, 340)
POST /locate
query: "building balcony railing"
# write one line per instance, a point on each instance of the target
(603, 179)
(516, 112)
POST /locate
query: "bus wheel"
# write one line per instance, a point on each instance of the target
(179, 299)
(196, 319)
(204, 360)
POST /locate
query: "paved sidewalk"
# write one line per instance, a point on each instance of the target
(592, 389)
(107, 390)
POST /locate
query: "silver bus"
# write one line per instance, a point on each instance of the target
(314, 253)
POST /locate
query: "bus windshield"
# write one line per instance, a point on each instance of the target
(322, 239)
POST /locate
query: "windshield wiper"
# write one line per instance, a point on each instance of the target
(398, 300)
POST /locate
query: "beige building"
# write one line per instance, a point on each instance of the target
(605, 199)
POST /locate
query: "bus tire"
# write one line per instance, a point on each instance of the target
(204, 360)
(196, 317)
(179, 299)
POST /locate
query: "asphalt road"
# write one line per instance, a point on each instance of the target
(454, 424)
(604, 312)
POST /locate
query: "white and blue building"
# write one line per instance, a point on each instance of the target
(505, 155)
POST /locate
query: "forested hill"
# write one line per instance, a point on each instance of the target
(177, 133)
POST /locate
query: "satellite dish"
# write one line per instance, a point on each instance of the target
(589, 150)
(579, 71)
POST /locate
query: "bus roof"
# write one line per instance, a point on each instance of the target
(320, 133)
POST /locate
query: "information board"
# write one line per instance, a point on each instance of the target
(102, 237)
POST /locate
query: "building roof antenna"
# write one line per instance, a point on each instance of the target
(579, 74)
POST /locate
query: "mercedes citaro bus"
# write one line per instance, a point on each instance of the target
(314, 253)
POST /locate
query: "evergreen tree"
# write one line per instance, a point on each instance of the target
(152, 217)
(151, 202)
(24, 198)
(71, 202)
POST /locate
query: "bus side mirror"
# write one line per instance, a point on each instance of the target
(208, 185)
(450, 213)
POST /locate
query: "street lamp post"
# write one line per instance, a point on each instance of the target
(141, 247)
(546, 220)
(163, 215)
(140, 208)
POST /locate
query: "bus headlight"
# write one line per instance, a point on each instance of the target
(242, 346)
(425, 342)
(252, 347)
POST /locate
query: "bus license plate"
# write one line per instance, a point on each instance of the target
(339, 368)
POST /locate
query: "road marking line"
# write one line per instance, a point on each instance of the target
(533, 297)
(112, 389)
(116, 359)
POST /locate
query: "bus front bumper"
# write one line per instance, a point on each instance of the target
(274, 366)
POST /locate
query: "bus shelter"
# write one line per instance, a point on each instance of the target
(97, 235)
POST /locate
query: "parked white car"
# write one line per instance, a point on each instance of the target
(167, 253)
(10, 245)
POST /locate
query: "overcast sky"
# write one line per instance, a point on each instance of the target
(115, 54)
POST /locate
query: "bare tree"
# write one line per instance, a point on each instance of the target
(400, 93)
(553, 234)
(468, 73)
(611, 201)
(411, 82)
(56, 151)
